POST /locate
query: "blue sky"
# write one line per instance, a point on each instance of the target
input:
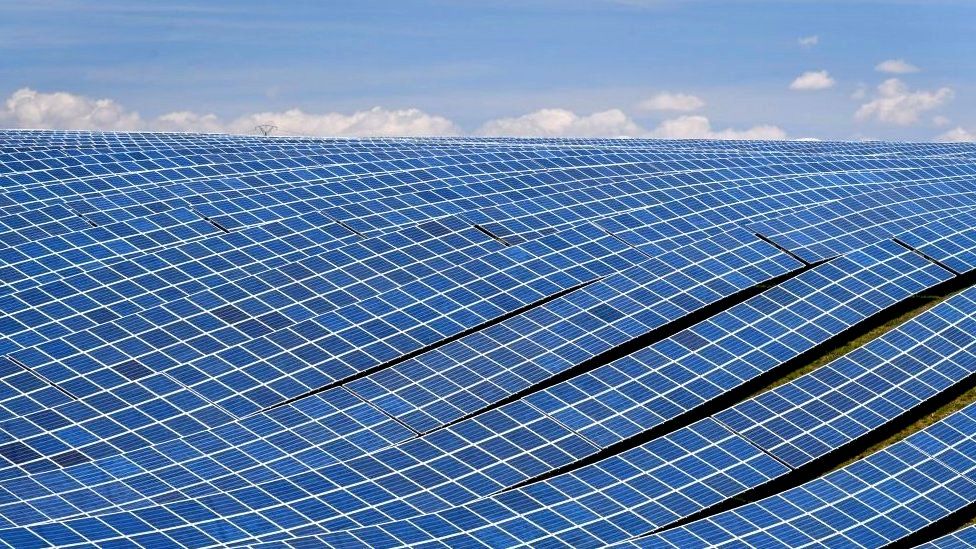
(572, 67)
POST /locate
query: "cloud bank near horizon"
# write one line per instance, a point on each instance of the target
(29, 108)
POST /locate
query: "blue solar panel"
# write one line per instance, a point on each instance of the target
(826, 231)
(951, 241)
(681, 217)
(960, 539)
(213, 266)
(46, 254)
(552, 445)
(470, 374)
(702, 485)
(358, 478)
(625, 495)
(552, 263)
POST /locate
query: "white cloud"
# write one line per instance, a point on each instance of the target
(940, 121)
(187, 121)
(896, 66)
(860, 92)
(956, 134)
(374, 121)
(666, 101)
(808, 41)
(894, 103)
(27, 108)
(561, 122)
(699, 127)
(812, 80)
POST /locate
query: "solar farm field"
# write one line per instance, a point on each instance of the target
(211, 340)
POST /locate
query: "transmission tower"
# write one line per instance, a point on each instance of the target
(265, 129)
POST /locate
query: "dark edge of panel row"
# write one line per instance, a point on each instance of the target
(431, 347)
(620, 351)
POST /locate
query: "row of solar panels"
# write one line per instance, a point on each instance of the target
(18, 140)
(37, 249)
(371, 209)
(310, 335)
(429, 161)
(798, 442)
(31, 311)
(73, 251)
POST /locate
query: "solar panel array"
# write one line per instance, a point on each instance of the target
(217, 340)
(873, 502)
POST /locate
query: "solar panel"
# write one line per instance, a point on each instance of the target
(683, 217)
(651, 484)
(104, 292)
(949, 240)
(677, 507)
(34, 364)
(552, 444)
(826, 231)
(623, 496)
(46, 254)
(20, 228)
(350, 476)
(465, 294)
